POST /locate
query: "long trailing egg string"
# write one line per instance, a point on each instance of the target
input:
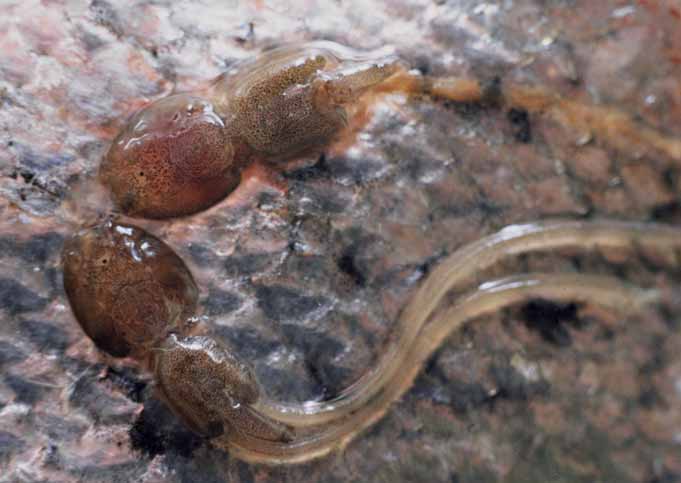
(315, 442)
(460, 267)
(615, 127)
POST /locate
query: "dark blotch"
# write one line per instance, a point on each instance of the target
(666, 477)
(245, 265)
(520, 120)
(201, 255)
(649, 398)
(667, 212)
(117, 472)
(54, 279)
(319, 351)
(36, 250)
(9, 444)
(318, 170)
(106, 15)
(248, 342)
(433, 385)
(104, 406)
(156, 431)
(245, 475)
(128, 381)
(347, 264)
(17, 299)
(26, 392)
(9, 354)
(549, 319)
(60, 429)
(221, 302)
(40, 248)
(283, 303)
(461, 396)
(47, 337)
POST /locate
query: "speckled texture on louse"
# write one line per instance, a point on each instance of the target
(201, 375)
(257, 116)
(172, 159)
(309, 282)
(127, 288)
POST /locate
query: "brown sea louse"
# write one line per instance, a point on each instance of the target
(127, 289)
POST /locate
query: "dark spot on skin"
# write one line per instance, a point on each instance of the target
(666, 477)
(319, 170)
(245, 265)
(283, 303)
(460, 396)
(221, 302)
(433, 385)
(201, 255)
(281, 385)
(346, 263)
(198, 471)
(361, 250)
(520, 120)
(106, 15)
(657, 360)
(61, 429)
(25, 391)
(331, 379)
(32, 161)
(549, 319)
(27, 176)
(9, 445)
(102, 405)
(37, 249)
(667, 315)
(470, 111)
(319, 351)
(46, 336)
(145, 436)
(316, 270)
(650, 398)
(128, 381)
(156, 431)
(359, 172)
(10, 354)
(51, 456)
(667, 212)
(245, 475)
(422, 63)
(249, 344)
(17, 299)
(90, 41)
(118, 472)
(54, 279)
